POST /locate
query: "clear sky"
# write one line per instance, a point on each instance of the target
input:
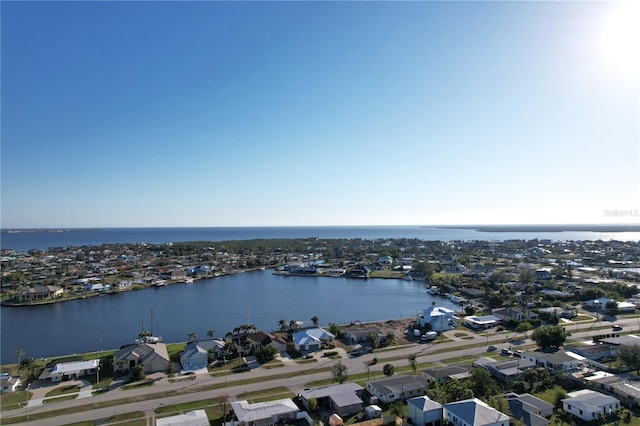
(319, 113)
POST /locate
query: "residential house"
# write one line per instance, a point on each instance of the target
(70, 370)
(422, 411)
(441, 374)
(598, 351)
(311, 339)
(514, 313)
(9, 383)
(265, 413)
(41, 292)
(481, 322)
(628, 391)
(507, 370)
(190, 418)
(543, 274)
(153, 356)
(555, 360)
(344, 399)
(439, 318)
(196, 355)
(395, 388)
(473, 412)
(588, 404)
(362, 334)
(528, 409)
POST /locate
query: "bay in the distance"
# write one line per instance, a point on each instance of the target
(23, 240)
(259, 298)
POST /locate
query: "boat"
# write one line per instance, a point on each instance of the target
(188, 280)
(146, 336)
(433, 290)
(160, 283)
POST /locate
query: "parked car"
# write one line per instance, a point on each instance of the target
(617, 327)
(506, 351)
(492, 348)
(517, 353)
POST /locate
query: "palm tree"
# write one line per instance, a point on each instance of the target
(412, 362)
(192, 336)
(283, 325)
(293, 324)
(339, 372)
(211, 333)
(144, 335)
(29, 366)
(20, 353)
(315, 320)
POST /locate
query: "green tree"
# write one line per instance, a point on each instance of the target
(388, 370)
(339, 372)
(550, 336)
(192, 336)
(558, 395)
(211, 333)
(390, 339)
(374, 339)
(313, 404)
(629, 355)
(413, 363)
(482, 384)
(137, 372)
(531, 377)
(30, 366)
(315, 320)
(283, 325)
(523, 327)
(336, 330)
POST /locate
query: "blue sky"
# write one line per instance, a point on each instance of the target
(317, 113)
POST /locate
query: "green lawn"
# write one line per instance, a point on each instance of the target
(62, 390)
(11, 401)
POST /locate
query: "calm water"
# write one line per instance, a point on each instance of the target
(79, 237)
(259, 298)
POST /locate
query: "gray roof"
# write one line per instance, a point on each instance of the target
(424, 404)
(397, 384)
(531, 401)
(439, 373)
(589, 398)
(628, 340)
(520, 411)
(330, 390)
(556, 357)
(247, 412)
(475, 412)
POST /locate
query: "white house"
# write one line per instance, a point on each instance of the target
(191, 418)
(440, 318)
(265, 413)
(70, 370)
(481, 323)
(312, 339)
(9, 383)
(587, 404)
(424, 412)
(473, 412)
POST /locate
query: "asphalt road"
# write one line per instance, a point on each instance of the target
(296, 376)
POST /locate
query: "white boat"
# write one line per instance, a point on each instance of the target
(146, 336)
(433, 290)
(160, 283)
(188, 280)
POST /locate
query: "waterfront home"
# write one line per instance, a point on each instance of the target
(41, 292)
(196, 355)
(588, 405)
(439, 318)
(70, 370)
(344, 399)
(355, 335)
(190, 418)
(473, 412)
(268, 413)
(422, 411)
(153, 356)
(395, 388)
(312, 339)
(9, 383)
(248, 342)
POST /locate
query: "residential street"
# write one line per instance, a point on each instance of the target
(184, 391)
